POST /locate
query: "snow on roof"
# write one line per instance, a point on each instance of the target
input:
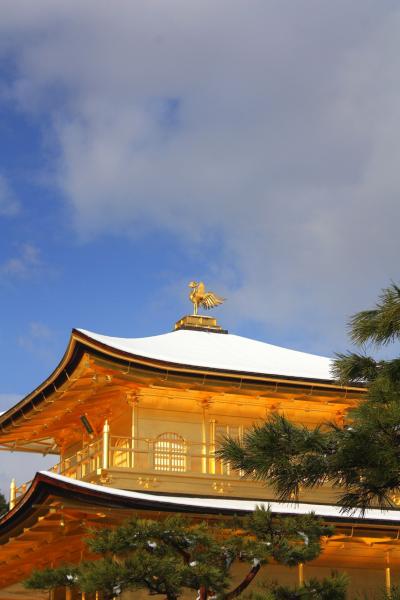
(234, 505)
(226, 352)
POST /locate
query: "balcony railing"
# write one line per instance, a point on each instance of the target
(83, 463)
(167, 453)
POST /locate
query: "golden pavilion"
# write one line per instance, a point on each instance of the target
(134, 424)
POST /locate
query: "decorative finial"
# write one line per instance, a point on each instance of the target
(200, 297)
(207, 300)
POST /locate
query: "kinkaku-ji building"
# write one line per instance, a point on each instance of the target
(134, 424)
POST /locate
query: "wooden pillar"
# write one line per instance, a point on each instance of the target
(212, 447)
(388, 585)
(226, 466)
(241, 437)
(106, 445)
(13, 493)
(68, 593)
(134, 446)
(301, 574)
(204, 437)
(133, 434)
(83, 596)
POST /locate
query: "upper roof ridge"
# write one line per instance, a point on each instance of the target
(230, 352)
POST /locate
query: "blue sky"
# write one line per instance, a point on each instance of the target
(253, 145)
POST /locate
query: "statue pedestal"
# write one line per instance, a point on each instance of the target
(199, 322)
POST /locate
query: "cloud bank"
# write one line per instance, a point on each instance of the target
(269, 126)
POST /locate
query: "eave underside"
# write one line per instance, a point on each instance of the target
(89, 378)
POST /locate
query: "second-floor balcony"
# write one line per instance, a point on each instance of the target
(167, 453)
(167, 463)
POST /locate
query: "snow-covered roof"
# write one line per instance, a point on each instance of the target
(233, 505)
(225, 352)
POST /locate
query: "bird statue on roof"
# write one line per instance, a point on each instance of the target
(200, 297)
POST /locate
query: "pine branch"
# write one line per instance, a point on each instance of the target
(288, 456)
(380, 325)
(245, 582)
(153, 554)
(47, 579)
(350, 368)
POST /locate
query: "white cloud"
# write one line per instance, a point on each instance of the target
(26, 263)
(37, 331)
(273, 124)
(9, 205)
(39, 340)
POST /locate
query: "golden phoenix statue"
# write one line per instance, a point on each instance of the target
(200, 297)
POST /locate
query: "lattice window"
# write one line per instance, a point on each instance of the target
(121, 453)
(170, 453)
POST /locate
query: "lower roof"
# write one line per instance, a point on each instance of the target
(49, 523)
(46, 483)
(233, 505)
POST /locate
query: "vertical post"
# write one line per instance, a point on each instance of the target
(13, 493)
(133, 403)
(97, 596)
(226, 466)
(388, 584)
(68, 593)
(241, 436)
(106, 444)
(133, 435)
(83, 596)
(212, 446)
(204, 439)
(301, 574)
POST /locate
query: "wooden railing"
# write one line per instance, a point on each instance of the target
(81, 464)
(169, 453)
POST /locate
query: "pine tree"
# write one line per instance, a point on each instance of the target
(328, 588)
(166, 556)
(361, 458)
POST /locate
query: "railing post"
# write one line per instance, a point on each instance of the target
(106, 445)
(301, 574)
(13, 493)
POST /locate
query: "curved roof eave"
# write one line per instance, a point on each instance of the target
(46, 484)
(67, 362)
(81, 341)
